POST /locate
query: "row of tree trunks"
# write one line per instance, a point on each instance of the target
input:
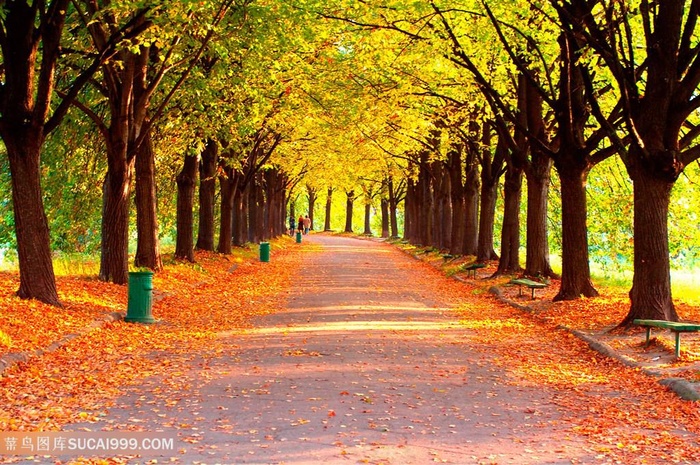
(448, 205)
(246, 215)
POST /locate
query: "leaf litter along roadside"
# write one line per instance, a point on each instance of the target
(626, 416)
(79, 381)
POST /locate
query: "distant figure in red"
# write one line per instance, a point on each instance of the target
(300, 224)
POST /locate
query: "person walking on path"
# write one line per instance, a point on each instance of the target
(307, 224)
(300, 224)
(292, 225)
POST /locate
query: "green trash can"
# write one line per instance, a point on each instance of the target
(298, 237)
(140, 297)
(264, 251)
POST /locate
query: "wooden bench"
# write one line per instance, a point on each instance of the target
(675, 326)
(529, 284)
(472, 268)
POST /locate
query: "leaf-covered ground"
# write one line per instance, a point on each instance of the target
(79, 380)
(624, 413)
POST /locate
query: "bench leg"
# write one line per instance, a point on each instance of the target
(648, 334)
(533, 294)
(520, 290)
(678, 344)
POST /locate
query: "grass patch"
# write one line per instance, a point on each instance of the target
(685, 284)
(76, 265)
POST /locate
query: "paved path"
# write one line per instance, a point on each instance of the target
(365, 365)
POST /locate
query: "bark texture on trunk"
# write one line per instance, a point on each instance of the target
(576, 274)
(186, 184)
(368, 217)
(36, 275)
(313, 195)
(147, 246)
(329, 204)
(471, 206)
(454, 161)
(228, 187)
(650, 295)
(349, 205)
(509, 263)
(207, 191)
(28, 81)
(491, 172)
(393, 208)
(385, 216)
(537, 250)
(114, 259)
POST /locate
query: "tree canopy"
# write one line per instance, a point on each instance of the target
(431, 114)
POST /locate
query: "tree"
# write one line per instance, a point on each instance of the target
(129, 84)
(657, 85)
(30, 40)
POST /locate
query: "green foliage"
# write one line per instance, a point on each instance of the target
(73, 171)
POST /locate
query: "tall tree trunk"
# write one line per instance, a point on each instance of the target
(487, 219)
(515, 160)
(207, 190)
(651, 285)
(454, 160)
(269, 211)
(114, 259)
(443, 212)
(293, 215)
(186, 184)
(576, 274)
(121, 154)
(411, 217)
(147, 248)
(329, 204)
(258, 231)
(30, 51)
(312, 204)
(385, 216)
(537, 250)
(573, 163)
(509, 263)
(276, 217)
(228, 187)
(36, 275)
(349, 204)
(240, 221)
(425, 203)
(368, 216)
(471, 206)
(491, 171)
(393, 208)
(537, 173)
